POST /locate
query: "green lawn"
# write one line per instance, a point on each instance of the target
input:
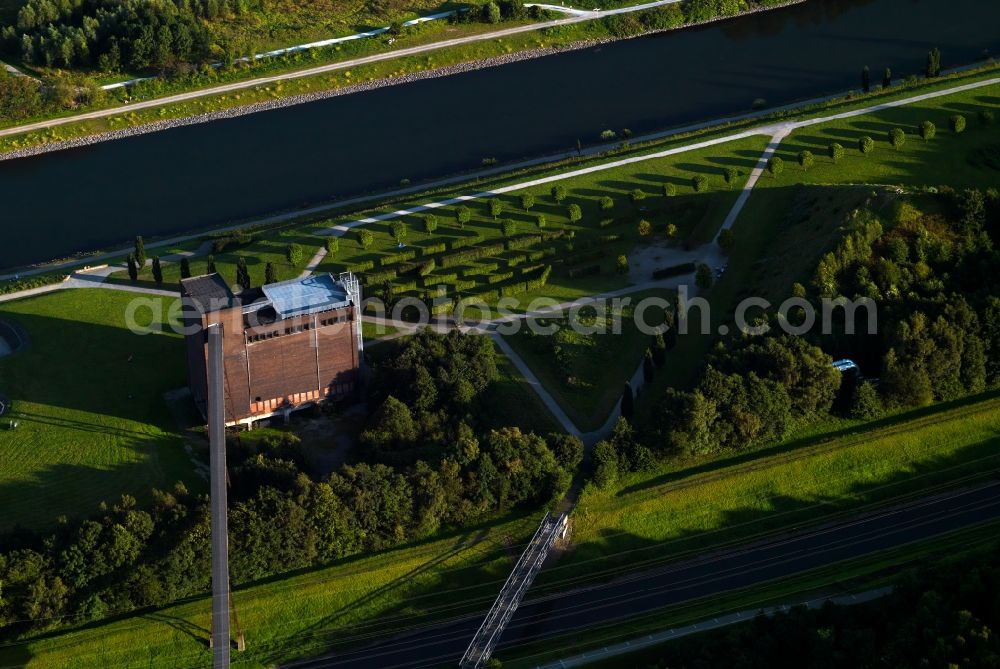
(513, 402)
(650, 517)
(583, 243)
(266, 247)
(595, 240)
(304, 615)
(586, 372)
(646, 515)
(87, 394)
(961, 160)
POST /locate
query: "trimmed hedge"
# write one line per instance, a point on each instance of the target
(586, 270)
(514, 261)
(376, 278)
(397, 288)
(360, 267)
(433, 249)
(674, 270)
(427, 268)
(463, 242)
(523, 242)
(470, 255)
(442, 308)
(479, 270)
(499, 278)
(396, 258)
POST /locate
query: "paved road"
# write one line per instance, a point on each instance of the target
(321, 69)
(774, 558)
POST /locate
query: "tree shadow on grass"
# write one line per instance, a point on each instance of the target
(186, 627)
(653, 178)
(730, 161)
(409, 603)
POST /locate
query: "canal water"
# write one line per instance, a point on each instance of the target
(206, 175)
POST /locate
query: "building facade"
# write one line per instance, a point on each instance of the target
(286, 345)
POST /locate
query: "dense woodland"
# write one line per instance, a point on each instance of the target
(934, 273)
(948, 616)
(281, 518)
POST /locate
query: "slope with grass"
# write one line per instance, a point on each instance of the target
(88, 398)
(586, 362)
(304, 615)
(682, 506)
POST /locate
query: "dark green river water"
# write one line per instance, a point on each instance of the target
(206, 175)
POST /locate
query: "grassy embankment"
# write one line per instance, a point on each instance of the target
(93, 424)
(394, 67)
(586, 372)
(791, 219)
(88, 398)
(696, 215)
(645, 520)
(850, 576)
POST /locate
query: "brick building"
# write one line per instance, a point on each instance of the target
(286, 345)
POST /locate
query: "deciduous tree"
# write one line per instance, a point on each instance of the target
(835, 151)
(731, 175)
(139, 251)
(133, 268)
(574, 212)
(703, 276)
(897, 137)
(243, 274)
(621, 264)
(399, 231)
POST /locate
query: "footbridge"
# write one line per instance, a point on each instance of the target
(524, 572)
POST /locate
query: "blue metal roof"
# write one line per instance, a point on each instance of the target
(306, 296)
